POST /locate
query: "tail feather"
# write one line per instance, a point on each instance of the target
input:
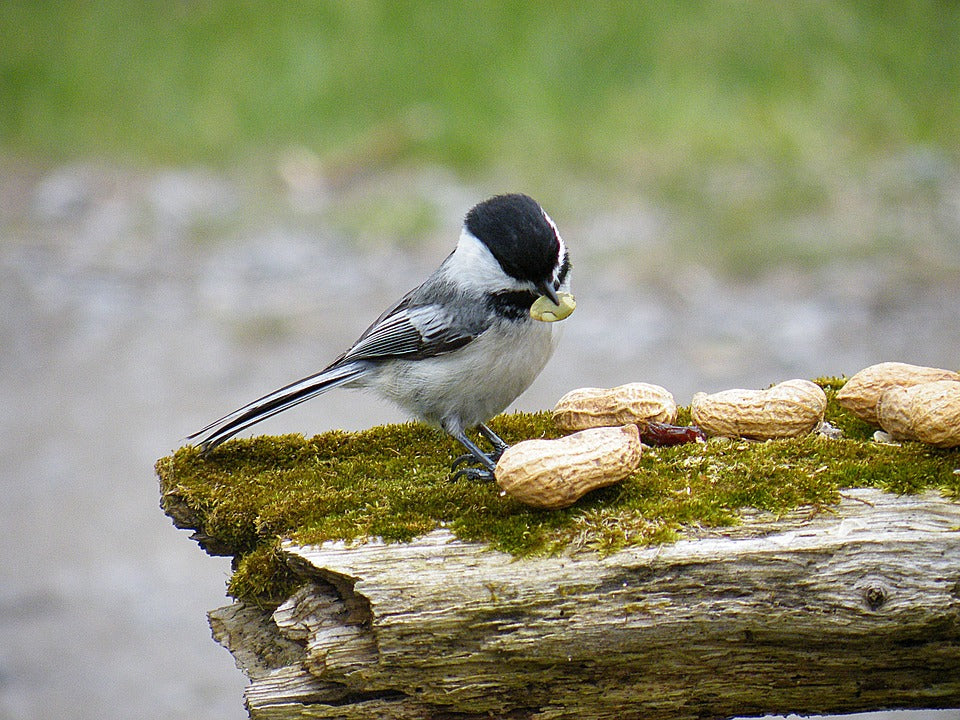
(273, 403)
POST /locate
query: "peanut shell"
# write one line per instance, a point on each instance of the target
(633, 403)
(861, 393)
(789, 409)
(556, 473)
(928, 412)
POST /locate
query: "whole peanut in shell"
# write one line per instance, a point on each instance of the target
(633, 403)
(928, 412)
(861, 393)
(556, 473)
(789, 409)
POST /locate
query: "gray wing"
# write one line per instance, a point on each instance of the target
(414, 332)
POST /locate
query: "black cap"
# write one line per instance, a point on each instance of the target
(516, 230)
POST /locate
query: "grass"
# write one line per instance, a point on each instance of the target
(474, 84)
(769, 132)
(393, 482)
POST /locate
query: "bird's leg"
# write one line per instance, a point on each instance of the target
(498, 443)
(475, 455)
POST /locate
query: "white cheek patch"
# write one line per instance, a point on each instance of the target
(473, 267)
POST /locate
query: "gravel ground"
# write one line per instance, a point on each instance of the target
(141, 304)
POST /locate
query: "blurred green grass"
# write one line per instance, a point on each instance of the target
(564, 84)
(729, 111)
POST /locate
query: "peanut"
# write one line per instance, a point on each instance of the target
(634, 403)
(556, 473)
(544, 310)
(790, 409)
(861, 394)
(928, 412)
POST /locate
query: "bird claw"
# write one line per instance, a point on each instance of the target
(476, 456)
(473, 474)
(481, 474)
(462, 460)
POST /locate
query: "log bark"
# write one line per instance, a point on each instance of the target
(852, 608)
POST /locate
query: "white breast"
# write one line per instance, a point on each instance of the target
(469, 386)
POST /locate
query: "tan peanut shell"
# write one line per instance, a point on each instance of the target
(928, 412)
(609, 407)
(557, 473)
(861, 393)
(789, 409)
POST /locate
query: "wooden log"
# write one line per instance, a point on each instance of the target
(853, 608)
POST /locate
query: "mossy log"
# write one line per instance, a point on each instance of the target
(852, 608)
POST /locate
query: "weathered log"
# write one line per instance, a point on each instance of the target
(855, 607)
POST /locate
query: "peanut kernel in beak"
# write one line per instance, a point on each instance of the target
(544, 310)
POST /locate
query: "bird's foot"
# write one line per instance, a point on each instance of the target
(481, 474)
(474, 474)
(476, 456)
(499, 445)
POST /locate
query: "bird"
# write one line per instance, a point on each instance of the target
(458, 349)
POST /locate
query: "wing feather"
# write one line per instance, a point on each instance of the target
(412, 332)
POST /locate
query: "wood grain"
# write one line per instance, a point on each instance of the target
(855, 608)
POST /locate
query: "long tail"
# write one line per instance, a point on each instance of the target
(277, 401)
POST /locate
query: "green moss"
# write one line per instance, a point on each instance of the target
(843, 420)
(393, 482)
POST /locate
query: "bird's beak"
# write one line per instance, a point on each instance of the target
(546, 288)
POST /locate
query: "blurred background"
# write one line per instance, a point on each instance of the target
(202, 200)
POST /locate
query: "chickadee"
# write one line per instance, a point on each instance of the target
(457, 350)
